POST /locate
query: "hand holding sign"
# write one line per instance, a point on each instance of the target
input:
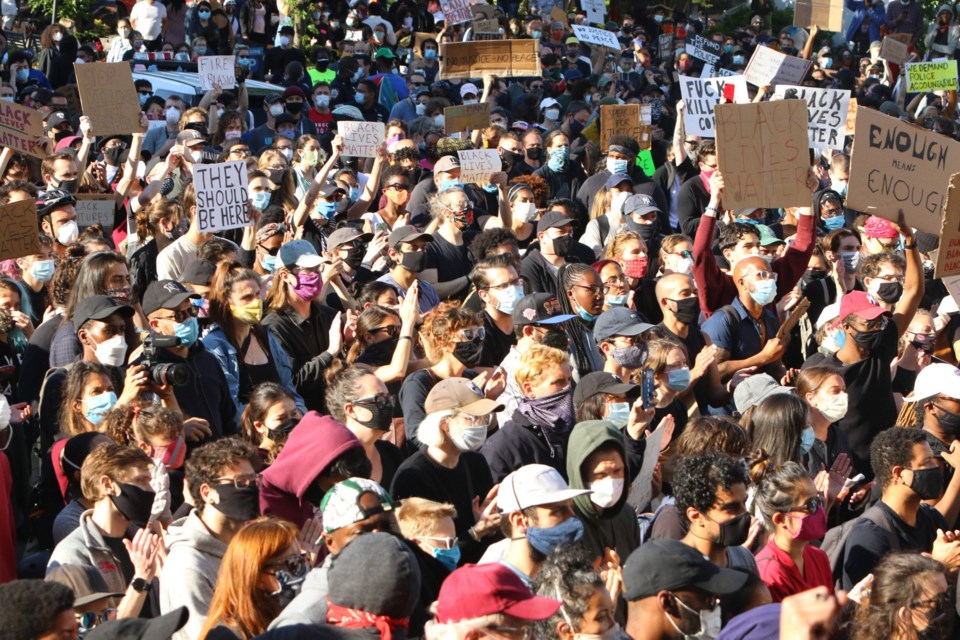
(361, 139)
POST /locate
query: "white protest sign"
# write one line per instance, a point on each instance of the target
(477, 165)
(456, 11)
(826, 111)
(361, 139)
(95, 209)
(641, 490)
(221, 195)
(595, 10)
(768, 67)
(599, 37)
(217, 70)
(701, 95)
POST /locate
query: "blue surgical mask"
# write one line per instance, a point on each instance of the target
(807, 438)
(490, 188)
(616, 301)
(834, 223)
(586, 315)
(327, 209)
(678, 379)
(430, 54)
(851, 260)
(42, 270)
(204, 15)
(188, 331)
(200, 51)
(449, 558)
(728, 48)
(764, 292)
(287, 133)
(507, 299)
(261, 200)
(98, 406)
(449, 184)
(269, 263)
(143, 97)
(354, 194)
(23, 74)
(616, 165)
(752, 221)
(618, 413)
(535, 35)
(547, 540)
(738, 60)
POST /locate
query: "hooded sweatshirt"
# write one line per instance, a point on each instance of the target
(312, 446)
(616, 527)
(189, 574)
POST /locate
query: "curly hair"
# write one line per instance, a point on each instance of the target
(31, 606)
(541, 190)
(870, 266)
(893, 448)
(696, 480)
(490, 238)
(734, 232)
(441, 325)
(898, 581)
(208, 462)
(568, 575)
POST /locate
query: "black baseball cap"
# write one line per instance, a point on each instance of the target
(619, 321)
(346, 234)
(165, 294)
(552, 219)
(141, 628)
(199, 272)
(407, 233)
(539, 308)
(667, 565)
(98, 308)
(602, 382)
(640, 203)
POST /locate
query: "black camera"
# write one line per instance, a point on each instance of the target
(163, 373)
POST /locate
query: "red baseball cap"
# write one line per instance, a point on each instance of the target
(477, 590)
(861, 304)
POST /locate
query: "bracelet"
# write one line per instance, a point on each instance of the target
(714, 209)
(472, 532)
(910, 246)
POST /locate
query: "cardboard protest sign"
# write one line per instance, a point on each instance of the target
(560, 15)
(491, 25)
(108, 97)
(482, 11)
(505, 58)
(892, 50)
(827, 110)
(20, 235)
(905, 38)
(948, 255)
(477, 165)
(700, 96)
(95, 208)
(623, 119)
(645, 162)
(221, 195)
(595, 10)
(456, 11)
(896, 165)
(703, 48)
(826, 14)
(21, 129)
(217, 70)
(931, 76)
(466, 117)
(361, 139)
(768, 67)
(762, 152)
(599, 37)
(852, 117)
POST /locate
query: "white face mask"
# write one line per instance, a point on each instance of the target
(172, 115)
(421, 109)
(471, 101)
(287, 153)
(710, 623)
(276, 109)
(834, 408)
(683, 265)
(284, 41)
(470, 438)
(68, 232)
(438, 121)
(606, 492)
(552, 114)
(525, 211)
(112, 352)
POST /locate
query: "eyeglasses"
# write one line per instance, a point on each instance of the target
(878, 324)
(503, 286)
(381, 402)
(243, 151)
(634, 341)
(274, 251)
(391, 330)
(476, 334)
(242, 482)
(765, 275)
(474, 421)
(399, 186)
(939, 600)
(513, 633)
(443, 543)
(181, 315)
(88, 620)
(809, 507)
(293, 566)
(596, 290)
(890, 278)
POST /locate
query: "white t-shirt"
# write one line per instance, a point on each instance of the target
(149, 18)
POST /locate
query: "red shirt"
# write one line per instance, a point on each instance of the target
(783, 578)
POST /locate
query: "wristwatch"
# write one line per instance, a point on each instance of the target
(139, 585)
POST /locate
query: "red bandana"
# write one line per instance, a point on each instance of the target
(356, 619)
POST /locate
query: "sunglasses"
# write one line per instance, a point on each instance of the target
(381, 403)
(391, 330)
(809, 507)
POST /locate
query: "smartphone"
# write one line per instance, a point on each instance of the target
(648, 389)
(380, 227)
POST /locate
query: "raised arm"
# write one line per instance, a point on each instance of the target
(907, 306)
(370, 189)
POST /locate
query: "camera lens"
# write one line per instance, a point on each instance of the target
(173, 374)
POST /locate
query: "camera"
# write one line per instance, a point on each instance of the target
(172, 373)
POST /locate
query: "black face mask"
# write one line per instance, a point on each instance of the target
(276, 175)
(413, 261)
(280, 433)
(115, 155)
(535, 154)
(869, 340)
(890, 292)
(557, 338)
(510, 158)
(379, 354)
(927, 483)
(69, 186)
(575, 129)
(355, 257)
(562, 245)
(238, 504)
(647, 231)
(950, 422)
(812, 275)
(60, 135)
(294, 107)
(468, 353)
(734, 532)
(134, 503)
(382, 411)
(688, 309)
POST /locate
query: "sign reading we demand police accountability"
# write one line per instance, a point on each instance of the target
(221, 195)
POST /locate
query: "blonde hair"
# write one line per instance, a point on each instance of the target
(441, 326)
(416, 516)
(537, 361)
(615, 245)
(115, 461)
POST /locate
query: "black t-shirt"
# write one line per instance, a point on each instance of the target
(695, 343)
(496, 343)
(9, 371)
(450, 260)
(39, 300)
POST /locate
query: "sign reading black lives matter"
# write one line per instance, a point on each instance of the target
(897, 165)
(221, 195)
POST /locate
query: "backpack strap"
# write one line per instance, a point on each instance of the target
(603, 226)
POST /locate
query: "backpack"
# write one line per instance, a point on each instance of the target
(836, 539)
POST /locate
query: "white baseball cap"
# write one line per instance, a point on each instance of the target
(937, 379)
(534, 485)
(548, 102)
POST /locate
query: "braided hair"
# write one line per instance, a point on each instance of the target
(569, 275)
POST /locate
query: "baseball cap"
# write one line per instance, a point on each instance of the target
(284, 118)
(830, 312)
(165, 294)
(617, 179)
(446, 163)
(890, 108)
(861, 304)
(602, 382)
(548, 102)
(330, 188)
(767, 237)
(937, 379)
(85, 581)
(343, 235)
(298, 253)
(469, 88)
(407, 233)
(669, 565)
(539, 308)
(341, 504)
(384, 52)
(534, 485)
(639, 203)
(478, 590)
(552, 219)
(460, 394)
(189, 137)
(755, 390)
(67, 142)
(98, 308)
(199, 272)
(161, 628)
(619, 321)
(877, 227)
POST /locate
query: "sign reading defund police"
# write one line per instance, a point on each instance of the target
(897, 165)
(221, 195)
